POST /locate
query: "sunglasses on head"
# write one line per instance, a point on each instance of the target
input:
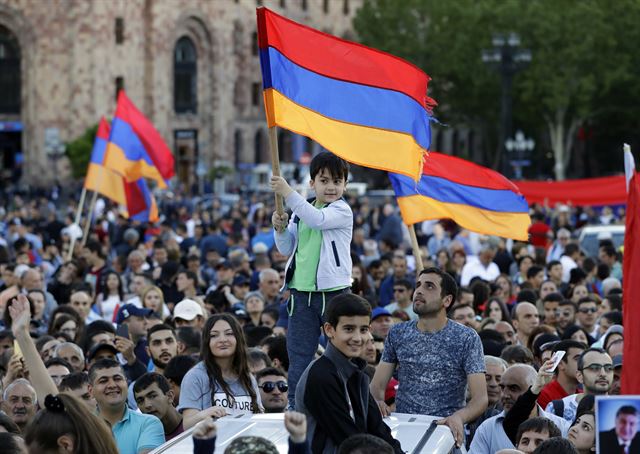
(269, 386)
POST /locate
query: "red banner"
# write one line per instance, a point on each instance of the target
(584, 192)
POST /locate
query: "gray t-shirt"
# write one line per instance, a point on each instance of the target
(195, 393)
(433, 367)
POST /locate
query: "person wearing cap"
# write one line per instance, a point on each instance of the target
(136, 346)
(617, 375)
(100, 351)
(188, 313)
(381, 322)
(240, 286)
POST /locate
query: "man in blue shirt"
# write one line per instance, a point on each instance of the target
(134, 433)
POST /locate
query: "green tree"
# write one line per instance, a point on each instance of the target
(79, 151)
(582, 50)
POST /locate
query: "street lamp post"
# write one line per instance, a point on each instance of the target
(519, 149)
(507, 57)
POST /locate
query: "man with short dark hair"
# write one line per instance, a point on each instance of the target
(535, 276)
(533, 432)
(437, 359)
(134, 433)
(175, 371)
(77, 384)
(608, 255)
(57, 369)
(565, 315)
(587, 315)
(525, 320)
(465, 315)
(402, 292)
(550, 304)
(333, 391)
(565, 381)
(154, 396)
(161, 346)
(273, 389)
(623, 438)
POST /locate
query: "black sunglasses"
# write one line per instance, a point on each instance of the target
(269, 386)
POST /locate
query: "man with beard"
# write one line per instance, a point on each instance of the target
(134, 433)
(154, 396)
(437, 359)
(161, 346)
(273, 389)
(595, 372)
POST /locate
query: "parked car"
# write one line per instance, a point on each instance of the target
(416, 433)
(590, 236)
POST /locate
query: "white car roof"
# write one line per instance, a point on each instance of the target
(413, 431)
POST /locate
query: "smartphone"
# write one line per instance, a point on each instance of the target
(556, 358)
(123, 331)
(16, 348)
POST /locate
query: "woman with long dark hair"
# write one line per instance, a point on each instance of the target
(112, 296)
(221, 383)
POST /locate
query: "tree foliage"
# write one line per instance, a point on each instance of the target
(584, 57)
(79, 151)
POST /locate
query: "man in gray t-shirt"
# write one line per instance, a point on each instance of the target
(437, 359)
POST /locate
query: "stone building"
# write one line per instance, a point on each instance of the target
(190, 65)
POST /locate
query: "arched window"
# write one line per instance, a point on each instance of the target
(9, 72)
(185, 84)
(237, 147)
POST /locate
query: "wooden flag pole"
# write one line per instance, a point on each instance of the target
(87, 224)
(416, 248)
(275, 164)
(76, 221)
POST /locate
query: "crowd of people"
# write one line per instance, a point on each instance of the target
(144, 331)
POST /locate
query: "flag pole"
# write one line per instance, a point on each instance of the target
(87, 224)
(416, 248)
(76, 221)
(275, 164)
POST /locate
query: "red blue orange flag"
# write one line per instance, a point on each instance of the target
(135, 149)
(99, 178)
(366, 106)
(476, 198)
(135, 196)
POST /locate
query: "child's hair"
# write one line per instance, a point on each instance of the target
(538, 425)
(339, 168)
(240, 362)
(346, 305)
(66, 415)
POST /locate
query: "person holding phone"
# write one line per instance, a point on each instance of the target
(221, 383)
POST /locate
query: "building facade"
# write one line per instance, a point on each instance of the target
(191, 66)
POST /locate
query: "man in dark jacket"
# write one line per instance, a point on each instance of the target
(623, 438)
(338, 403)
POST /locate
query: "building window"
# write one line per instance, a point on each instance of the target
(254, 43)
(304, 5)
(185, 83)
(258, 148)
(237, 147)
(325, 6)
(119, 85)
(255, 94)
(259, 2)
(283, 4)
(10, 83)
(345, 7)
(119, 30)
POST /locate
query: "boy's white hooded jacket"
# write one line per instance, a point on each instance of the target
(336, 222)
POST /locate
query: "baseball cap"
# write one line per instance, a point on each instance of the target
(617, 361)
(129, 310)
(187, 310)
(379, 312)
(240, 280)
(96, 348)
